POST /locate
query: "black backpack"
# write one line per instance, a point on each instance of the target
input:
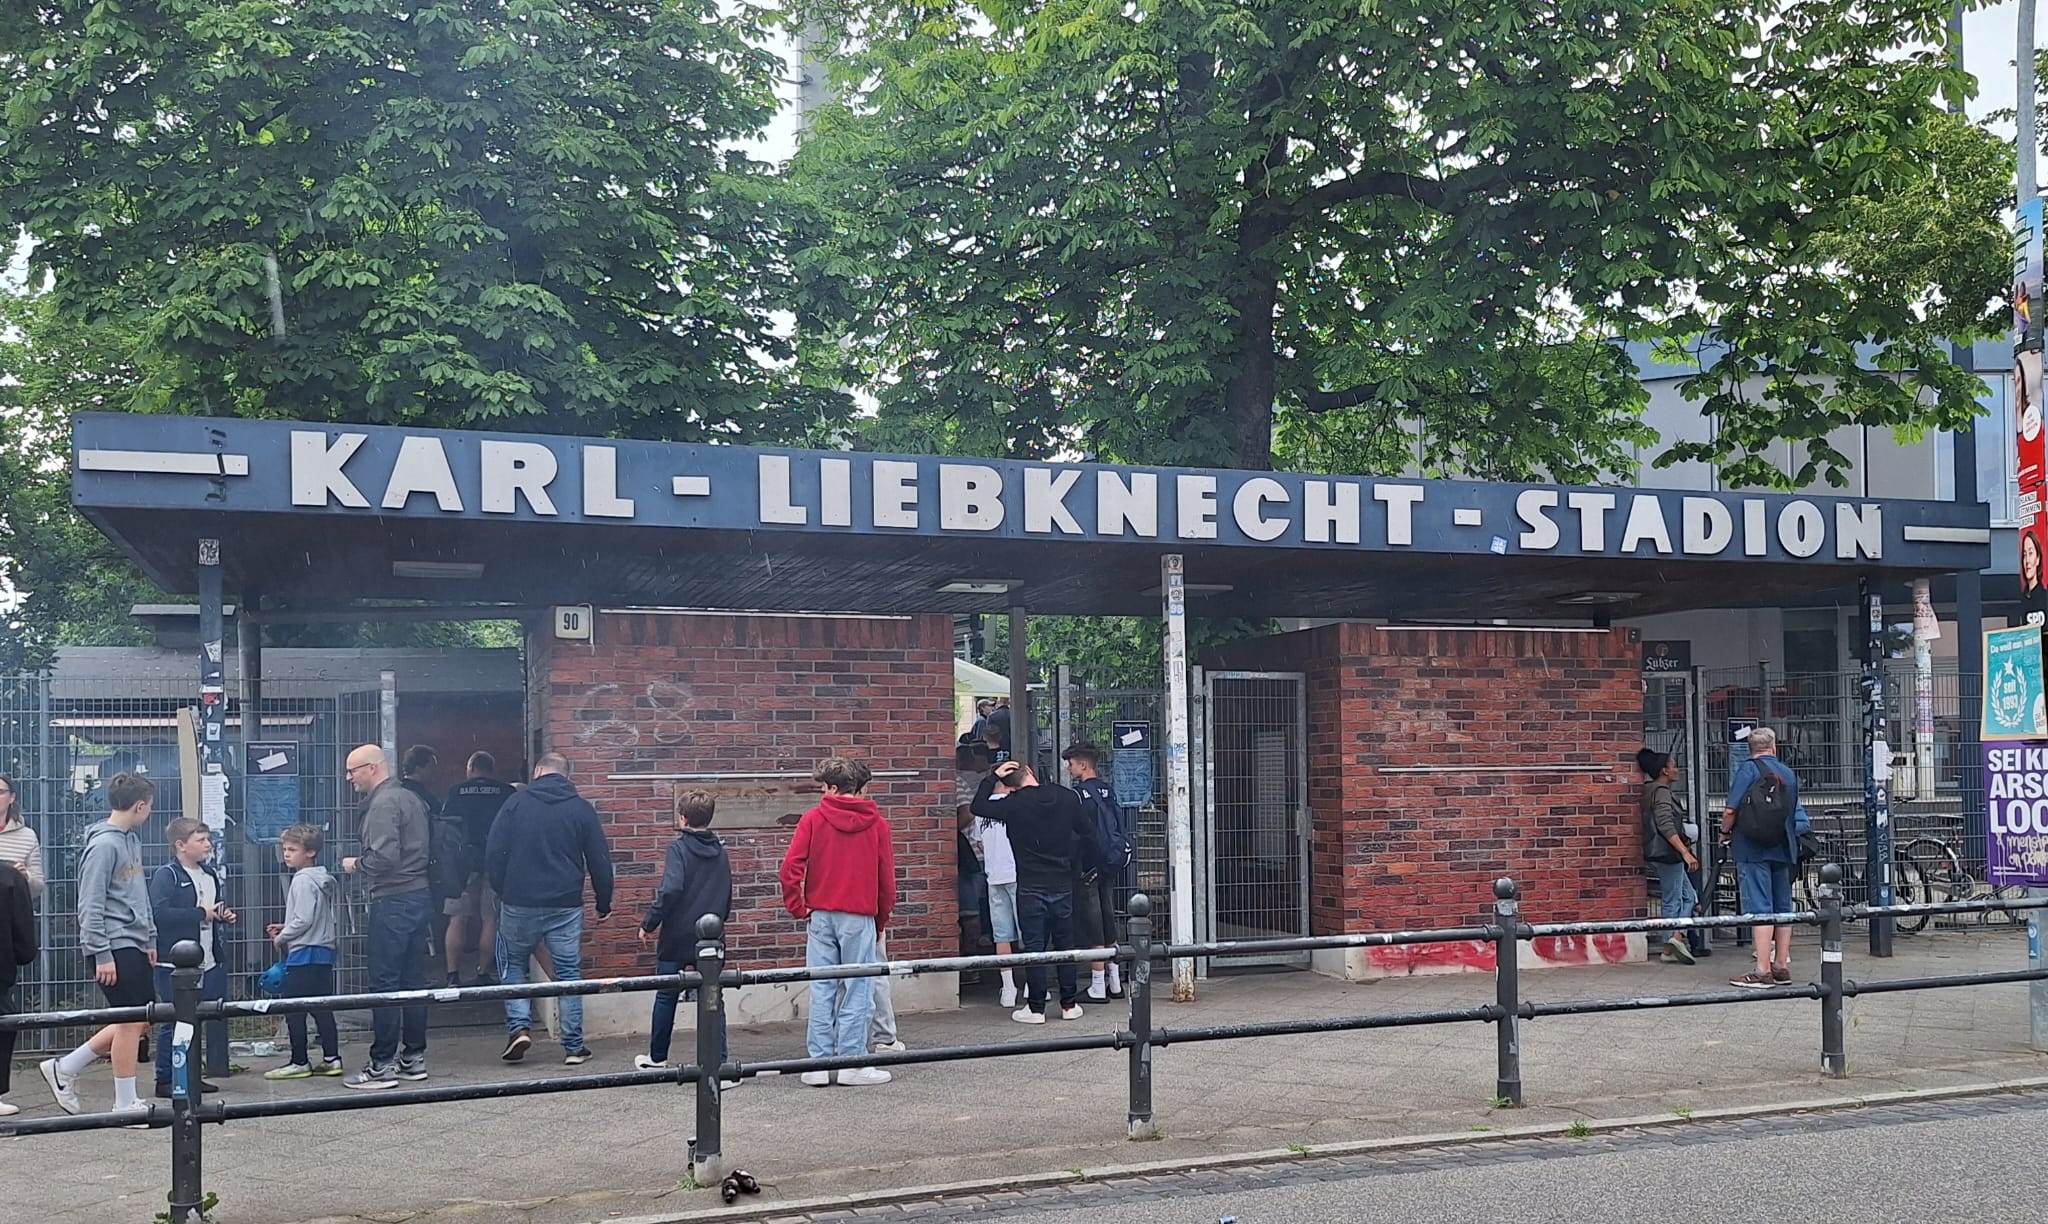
(447, 857)
(1761, 817)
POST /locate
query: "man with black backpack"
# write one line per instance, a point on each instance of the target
(1761, 822)
(1100, 891)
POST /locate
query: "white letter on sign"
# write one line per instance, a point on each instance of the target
(1708, 526)
(316, 469)
(1645, 523)
(1197, 507)
(422, 467)
(1531, 506)
(512, 469)
(1329, 509)
(1248, 507)
(970, 497)
(1592, 508)
(601, 484)
(1801, 529)
(1400, 501)
(776, 506)
(1127, 508)
(1045, 501)
(1859, 529)
(895, 493)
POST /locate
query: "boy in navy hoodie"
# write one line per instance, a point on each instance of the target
(696, 880)
(186, 896)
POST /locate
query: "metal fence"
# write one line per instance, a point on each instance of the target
(1088, 714)
(1141, 1040)
(61, 740)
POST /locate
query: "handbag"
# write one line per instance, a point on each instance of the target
(1810, 846)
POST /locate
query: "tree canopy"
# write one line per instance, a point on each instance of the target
(1392, 232)
(523, 213)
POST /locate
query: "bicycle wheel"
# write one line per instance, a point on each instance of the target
(1909, 887)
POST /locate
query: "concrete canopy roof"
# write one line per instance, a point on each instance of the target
(359, 513)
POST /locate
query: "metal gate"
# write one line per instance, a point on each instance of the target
(1252, 822)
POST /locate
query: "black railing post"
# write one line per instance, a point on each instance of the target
(1139, 931)
(187, 1055)
(1834, 1055)
(707, 1160)
(1507, 986)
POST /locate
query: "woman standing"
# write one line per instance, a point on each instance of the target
(21, 885)
(1667, 847)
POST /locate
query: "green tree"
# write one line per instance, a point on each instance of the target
(511, 213)
(1382, 233)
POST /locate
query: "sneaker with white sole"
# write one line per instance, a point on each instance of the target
(137, 1111)
(817, 1079)
(374, 1077)
(643, 1062)
(414, 1068)
(290, 1071)
(330, 1067)
(1009, 996)
(516, 1046)
(889, 1047)
(63, 1088)
(857, 1076)
(8, 1111)
(1071, 1013)
(1025, 1015)
(576, 1058)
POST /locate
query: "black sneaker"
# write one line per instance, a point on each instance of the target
(516, 1047)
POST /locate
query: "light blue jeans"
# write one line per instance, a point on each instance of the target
(1675, 891)
(840, 1009)
(520, 930)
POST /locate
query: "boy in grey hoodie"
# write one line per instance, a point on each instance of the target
(117, 930)
(307, 938)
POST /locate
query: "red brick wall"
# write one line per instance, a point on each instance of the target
(1392, 849)
(666, 694)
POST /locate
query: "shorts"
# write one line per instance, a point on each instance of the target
(970, 891)
(471, 905)
(1002, 912)
(134, 980)
(1766, 888)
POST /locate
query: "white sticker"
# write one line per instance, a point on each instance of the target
(263, 1005)
(276, 760)
(1132, 737)
(1830, 958)
(447, 996)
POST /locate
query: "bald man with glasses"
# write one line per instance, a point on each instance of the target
(393, 866)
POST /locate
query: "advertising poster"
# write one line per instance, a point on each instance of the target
(2014, 708)
(2032, 458)
(2016, 798)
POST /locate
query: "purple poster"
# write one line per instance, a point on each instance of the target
(2016, 791)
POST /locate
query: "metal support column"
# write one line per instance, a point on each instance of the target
(213, 699)
(387, 716)
(1180, 852)
(1877, 768)
(1063, 710)
(1023, 742)
(249, 661)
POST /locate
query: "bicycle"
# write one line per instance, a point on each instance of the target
(1910, 885)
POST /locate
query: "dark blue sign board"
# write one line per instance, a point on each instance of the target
(271, 801)
(170, 463)
(1130, 770)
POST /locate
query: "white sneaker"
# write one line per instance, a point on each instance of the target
(138, 1110)
(819, 1079)
(65, 1090)
(8, 1111)
(642, 1062)
(1071, 1013)
(1009, 996)
(889, 1047)
(1025, 1015)
(864, 1075)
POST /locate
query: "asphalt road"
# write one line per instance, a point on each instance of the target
(1907, 1164)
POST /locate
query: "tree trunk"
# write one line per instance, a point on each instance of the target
(1249, 398)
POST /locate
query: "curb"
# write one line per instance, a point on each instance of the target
(1268, 1156)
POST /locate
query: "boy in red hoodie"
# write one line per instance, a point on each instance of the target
(839, 876)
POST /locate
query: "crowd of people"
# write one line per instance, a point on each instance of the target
(511, 872)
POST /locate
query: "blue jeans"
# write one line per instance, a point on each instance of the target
(664, 1026)
(397, 938)
(1675, 889)
(840, 1009)
(521, 929)
(212, 986)
(1047, 920)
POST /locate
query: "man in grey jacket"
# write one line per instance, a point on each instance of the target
(117, 930)
(393, 865)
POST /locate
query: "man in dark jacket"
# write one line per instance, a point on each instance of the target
(475, 803)
(186, 896)
(17, 952)
(1098, 894)
(393, 865)
(1054, 841)
(546, 839)
(696, 881)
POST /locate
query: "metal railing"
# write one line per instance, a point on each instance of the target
(186, 1115)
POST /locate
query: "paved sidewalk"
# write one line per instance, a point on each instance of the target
(574, 1158)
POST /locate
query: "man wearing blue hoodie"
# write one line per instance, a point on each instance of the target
(546, 839)
(696, 880)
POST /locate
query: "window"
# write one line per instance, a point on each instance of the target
(1997, 476)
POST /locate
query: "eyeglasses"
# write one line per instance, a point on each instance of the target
(350, 772)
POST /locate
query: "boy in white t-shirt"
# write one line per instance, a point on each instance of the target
(1000, 862)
